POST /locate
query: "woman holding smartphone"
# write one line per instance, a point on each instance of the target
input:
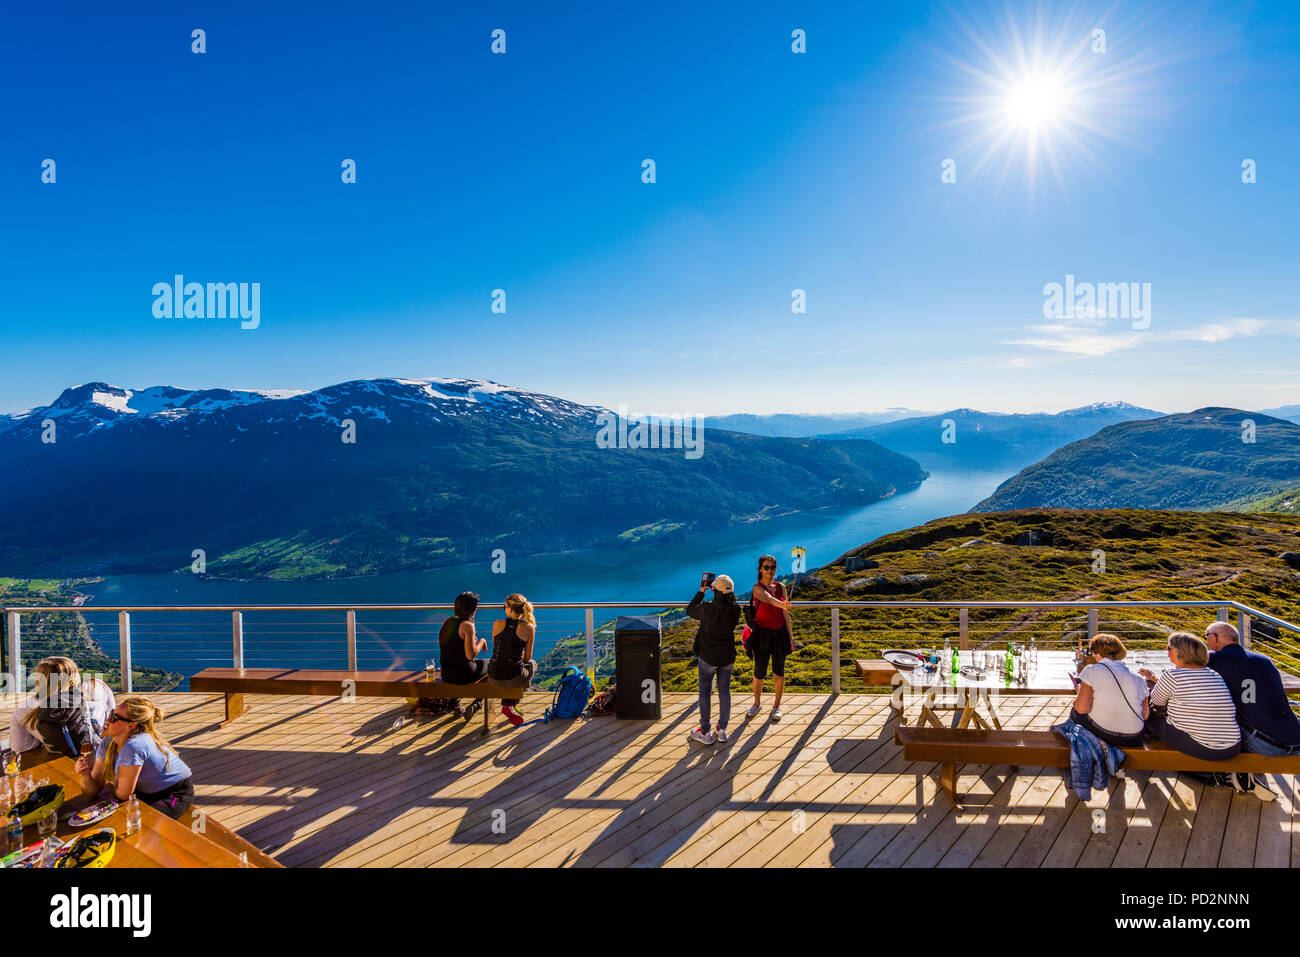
(715, 644)
(773, 634)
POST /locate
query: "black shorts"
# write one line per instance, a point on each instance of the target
(773, 645)
(173, 801)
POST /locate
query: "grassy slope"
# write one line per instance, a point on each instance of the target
(65, 633)
(1287, 502)
(1149, 555)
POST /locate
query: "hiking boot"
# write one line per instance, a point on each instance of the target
(1242, 783)
(701, 736)
(753, 712)
(471, 709)
(512, 715)
(776, 714)
(720, 735)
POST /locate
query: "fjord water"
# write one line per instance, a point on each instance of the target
(667, 573)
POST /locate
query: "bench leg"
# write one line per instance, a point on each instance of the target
(486, 717)
(948, 782)
(234, 708)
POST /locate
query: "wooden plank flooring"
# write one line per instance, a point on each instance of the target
(321, 782)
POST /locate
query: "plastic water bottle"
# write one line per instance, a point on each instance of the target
(49, 851)
(947, 655)
(1033, 652)
(132, 815)
(14, 833)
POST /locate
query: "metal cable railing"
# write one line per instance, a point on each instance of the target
(158, 644)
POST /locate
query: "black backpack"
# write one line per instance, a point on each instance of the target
(63, 730)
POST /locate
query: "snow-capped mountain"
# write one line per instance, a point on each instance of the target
(377, 475)
(96, 405)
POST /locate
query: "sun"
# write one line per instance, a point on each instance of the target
(1034, 103)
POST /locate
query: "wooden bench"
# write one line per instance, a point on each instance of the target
(234, 683)
(950, 747)
(220, 834)
(876, 671)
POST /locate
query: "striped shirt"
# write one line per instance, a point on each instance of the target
(1200, 705)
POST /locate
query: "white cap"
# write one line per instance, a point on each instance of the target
(723, 584)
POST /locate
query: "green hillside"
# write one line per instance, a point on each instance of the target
(1148, 555)
(1287, 502)
(65, 633)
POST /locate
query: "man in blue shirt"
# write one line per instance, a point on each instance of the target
(1268, 725)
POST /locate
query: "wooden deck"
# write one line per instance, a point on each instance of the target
(319, 782)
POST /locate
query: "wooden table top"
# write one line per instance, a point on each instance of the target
(160, 842)
(1050, 677)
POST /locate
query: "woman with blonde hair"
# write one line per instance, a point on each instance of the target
(1192, 709)
(64, 712)
(512, 650)
(135, 759)
(1111, 700)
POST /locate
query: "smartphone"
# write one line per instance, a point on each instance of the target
(706, 579)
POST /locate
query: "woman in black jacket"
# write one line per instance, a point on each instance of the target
(715, 643)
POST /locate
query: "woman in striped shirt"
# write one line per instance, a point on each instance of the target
(1196, 712)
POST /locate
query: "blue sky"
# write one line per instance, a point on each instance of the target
(775, 171)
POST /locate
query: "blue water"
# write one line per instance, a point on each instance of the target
(667, 573)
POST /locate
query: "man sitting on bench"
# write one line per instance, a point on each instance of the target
(1268, 725)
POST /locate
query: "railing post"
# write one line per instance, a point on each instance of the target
(835, 650)
(16, 652)
(591, 642)
(963, 629)
(1092, 623)
(237, 632)
(352, 640)
(124, 648)
(1243, 628)
(1225, 614)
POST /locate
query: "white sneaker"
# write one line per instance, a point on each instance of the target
(776, 714)
(1262, 790)
(720, 735)
(703, 737)
(753, 712)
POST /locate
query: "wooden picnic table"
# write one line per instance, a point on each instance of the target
(160, 842)
(963, 692)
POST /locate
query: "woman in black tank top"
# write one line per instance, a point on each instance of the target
(512, 650)
(457, 646)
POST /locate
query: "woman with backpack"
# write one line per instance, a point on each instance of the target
(64, 712)
(512, 650)
(773, 634)
(715, 644)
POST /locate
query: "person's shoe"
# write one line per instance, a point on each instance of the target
(776, 714)
(753, 712)
(1260, 788)
(1119, 773)
(513, 716)
(720, 735)
(701, 736)
(471, 709)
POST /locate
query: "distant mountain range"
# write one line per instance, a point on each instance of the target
(802, 426)
(1192, 460)
(442, 471)
(973, 439)
(1289, 412)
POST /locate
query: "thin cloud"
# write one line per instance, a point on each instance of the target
(1083, 337)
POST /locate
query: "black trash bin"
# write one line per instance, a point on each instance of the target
(638, 677)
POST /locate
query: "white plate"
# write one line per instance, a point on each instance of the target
(73, 821)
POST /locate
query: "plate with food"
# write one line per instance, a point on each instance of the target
(905, 660)
(93, 814)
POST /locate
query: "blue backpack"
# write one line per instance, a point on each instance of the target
(571, 696)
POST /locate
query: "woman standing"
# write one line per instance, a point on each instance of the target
(715, 644)
(512, 650)
(773, 634)
(135, 759)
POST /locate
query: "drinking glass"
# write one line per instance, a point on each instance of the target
(47, 823)
(430, 669)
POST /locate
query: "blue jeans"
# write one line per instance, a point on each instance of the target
(1256, 745)
(707, 671)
